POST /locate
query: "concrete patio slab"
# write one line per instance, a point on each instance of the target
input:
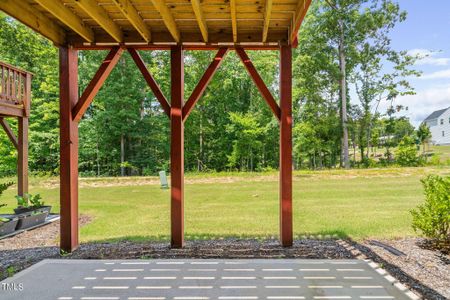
(186, 279)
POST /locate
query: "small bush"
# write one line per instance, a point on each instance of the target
(406, 154)
(433, 217)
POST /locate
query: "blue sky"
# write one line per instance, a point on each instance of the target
(426, 31)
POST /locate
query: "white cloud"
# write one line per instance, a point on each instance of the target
(428, 57)
(444, 74)
(425, 102)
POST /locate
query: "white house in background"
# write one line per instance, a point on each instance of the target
(439, 123)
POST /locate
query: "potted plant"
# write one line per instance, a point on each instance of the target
(29, 203)
(7, 223)
(31, 211)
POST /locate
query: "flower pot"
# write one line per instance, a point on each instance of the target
(26, 210)
(8, 227)
(27, 220)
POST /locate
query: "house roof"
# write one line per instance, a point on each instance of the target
(436, 114)
(93, 22)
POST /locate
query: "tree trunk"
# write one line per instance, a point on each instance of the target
(200, 154)
(122, 155)
(98, 160)
(343, 92)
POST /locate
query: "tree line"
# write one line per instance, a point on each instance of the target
(343, 69)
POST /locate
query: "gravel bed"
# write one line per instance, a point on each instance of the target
(425, 271)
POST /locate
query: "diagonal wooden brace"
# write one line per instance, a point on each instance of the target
(96, 83)
(267, 95)
(150, 80)
(9, 132)
(204, 81)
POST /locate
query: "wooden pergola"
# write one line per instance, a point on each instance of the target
(15, 100)
(174, 25)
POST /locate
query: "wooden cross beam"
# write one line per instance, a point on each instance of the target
(66, 16)
(96, 83)
(233, 19)
(204, 81)
(128, 10)
(150, 80)
(300, 13)
(267, 95)
(9, 132)
(168, 18)
(267, 14)
(96, 12)
(34, 19)
(196, 6)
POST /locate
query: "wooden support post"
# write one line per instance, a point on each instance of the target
(68, 64)
(286, 233)
(22, 157)
(177, 146)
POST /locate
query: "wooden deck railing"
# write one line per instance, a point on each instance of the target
(15, 91)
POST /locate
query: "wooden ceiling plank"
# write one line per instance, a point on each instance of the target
(300, 13)
(66, 16)
(233, 19)
(168, 19)
(267, 15)
(200, 19)
(34, 19)
(130, 12)
(97, 13)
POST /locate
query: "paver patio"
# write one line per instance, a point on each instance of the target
(275, 279)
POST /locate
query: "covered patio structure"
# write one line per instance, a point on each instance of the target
(176, 26)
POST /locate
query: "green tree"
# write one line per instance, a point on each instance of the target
(424, 135)
(246, 145)
(406, 154)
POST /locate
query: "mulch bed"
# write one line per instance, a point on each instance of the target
(426, 271)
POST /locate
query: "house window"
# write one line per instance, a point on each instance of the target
(443, 133)
(442, 121)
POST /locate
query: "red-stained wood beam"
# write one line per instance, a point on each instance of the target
(267, 95)
(68, 80)
(286, 232)
(299, 16)
(177, 146)
(9, 132)
(150, 80)
(22, 156)
(186, 47)
(203, 83)
(96, 83)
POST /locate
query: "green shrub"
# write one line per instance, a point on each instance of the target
(406, 153)
(433, 217)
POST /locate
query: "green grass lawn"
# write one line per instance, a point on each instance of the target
(356, 203)
(442, 151)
